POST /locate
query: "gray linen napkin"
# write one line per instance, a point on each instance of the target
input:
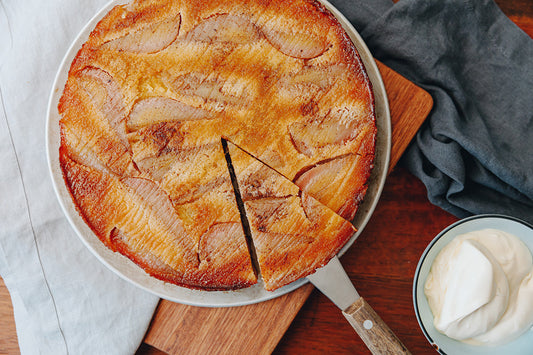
(475, 151)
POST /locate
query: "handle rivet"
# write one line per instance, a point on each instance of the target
(368, 324)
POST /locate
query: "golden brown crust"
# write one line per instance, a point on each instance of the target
(159, 82)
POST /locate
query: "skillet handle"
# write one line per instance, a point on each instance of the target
(377, 336)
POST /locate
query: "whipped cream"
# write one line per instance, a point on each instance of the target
(480, 288)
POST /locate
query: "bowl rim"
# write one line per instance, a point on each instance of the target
(425, 253)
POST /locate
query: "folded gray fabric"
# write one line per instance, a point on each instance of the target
(474, 153)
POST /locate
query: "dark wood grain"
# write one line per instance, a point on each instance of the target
(520, 12)
(409, 105)
(8, 334)
(181, 329)
(376, 335)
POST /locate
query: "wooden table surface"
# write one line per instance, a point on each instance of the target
(381, 264)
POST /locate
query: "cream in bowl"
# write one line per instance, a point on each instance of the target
(473, 287)
(480, 289)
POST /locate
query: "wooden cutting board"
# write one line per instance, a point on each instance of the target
(257, 329)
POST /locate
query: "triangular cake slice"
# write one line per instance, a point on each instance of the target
(292, 233)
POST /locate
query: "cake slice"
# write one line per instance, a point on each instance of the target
(292, 233)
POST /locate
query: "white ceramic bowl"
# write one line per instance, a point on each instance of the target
(443, 344)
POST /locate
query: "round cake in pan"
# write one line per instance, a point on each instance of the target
(153, 97)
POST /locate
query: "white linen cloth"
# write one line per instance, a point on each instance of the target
(65, 301)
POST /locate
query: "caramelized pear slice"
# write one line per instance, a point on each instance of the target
(349, 173)
(155, 110)
(223, 254)
(225, 28)
(149, 39)
(93, 122)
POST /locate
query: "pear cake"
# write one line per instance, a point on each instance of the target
(216, 143)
